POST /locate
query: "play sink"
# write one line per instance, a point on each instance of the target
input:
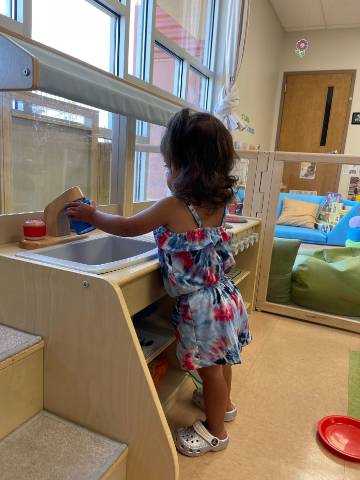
(97, 254)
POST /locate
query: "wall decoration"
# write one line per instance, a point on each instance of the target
(246, 118)
(351, 170)
(245, 124)
(301, 46)
(308, 170)
(355, 120)
(354, 188)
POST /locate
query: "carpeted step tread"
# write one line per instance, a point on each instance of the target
(50, 448)
(14, 341)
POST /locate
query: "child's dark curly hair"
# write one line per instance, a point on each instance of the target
(200, 153)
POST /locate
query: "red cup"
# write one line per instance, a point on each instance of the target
(34, 229)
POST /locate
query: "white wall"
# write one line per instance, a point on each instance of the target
(258, 78)
(270, 51)
(336, 49)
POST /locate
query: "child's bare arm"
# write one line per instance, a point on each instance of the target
(143, 222)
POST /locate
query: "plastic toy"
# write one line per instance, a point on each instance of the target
(158, 369)
(232, 218)
(353, 239)
(341, 435)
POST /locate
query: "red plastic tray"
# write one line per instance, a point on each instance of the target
(341, 435)
(232, 218)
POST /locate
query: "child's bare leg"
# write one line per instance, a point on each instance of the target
(215, 398)
(227, 372)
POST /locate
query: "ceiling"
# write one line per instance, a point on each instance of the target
(317, 14)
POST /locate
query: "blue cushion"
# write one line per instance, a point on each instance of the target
(351, 203)
(354, 234)
(354, 222)
(297, 196)
(307, 235)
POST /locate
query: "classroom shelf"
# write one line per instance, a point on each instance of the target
(154, 341)
(238, 275)
(170, 385)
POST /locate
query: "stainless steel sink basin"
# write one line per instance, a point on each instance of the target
(97, 254)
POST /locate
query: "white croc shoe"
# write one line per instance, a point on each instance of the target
(197, 440)
(198, 400)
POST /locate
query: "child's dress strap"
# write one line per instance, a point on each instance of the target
(195, 215)
(223, 221)
(198, 219)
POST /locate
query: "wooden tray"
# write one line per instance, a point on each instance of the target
(50, 241)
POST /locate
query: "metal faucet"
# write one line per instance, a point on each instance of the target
(57, 222)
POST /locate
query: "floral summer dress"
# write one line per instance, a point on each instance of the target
(210, 317)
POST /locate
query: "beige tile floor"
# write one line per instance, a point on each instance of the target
(293, 374)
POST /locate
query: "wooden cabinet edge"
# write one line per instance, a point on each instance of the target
(37, 300)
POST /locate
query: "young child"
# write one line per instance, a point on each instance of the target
(195, 255)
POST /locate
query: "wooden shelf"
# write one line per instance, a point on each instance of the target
(160, 337)
(127, 300)
(237, 275)
(170, 384)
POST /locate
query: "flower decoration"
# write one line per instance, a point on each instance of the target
(301, 46)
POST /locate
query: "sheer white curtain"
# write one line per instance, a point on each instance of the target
(236, 28)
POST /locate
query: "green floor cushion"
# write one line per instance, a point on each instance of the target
(283, 257)
(328, 280)
(350, 243)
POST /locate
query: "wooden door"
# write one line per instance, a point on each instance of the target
(314, 118)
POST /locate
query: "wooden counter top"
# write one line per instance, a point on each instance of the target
(124, 275)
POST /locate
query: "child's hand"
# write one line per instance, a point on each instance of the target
(82, 212)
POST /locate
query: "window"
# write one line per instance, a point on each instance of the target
(159, 43)
(81, 28)
(185, 30)
(197, 86)
(139, 39)
(149, 177)
(149, 133)
(166, 70)
(5, 7)
(182, 51)
(185, 23)
(149, 169)
(62, 144)
(12, 9)
(180, 59)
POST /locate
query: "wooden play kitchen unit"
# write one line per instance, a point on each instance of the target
(84, 331)
(77, 340)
